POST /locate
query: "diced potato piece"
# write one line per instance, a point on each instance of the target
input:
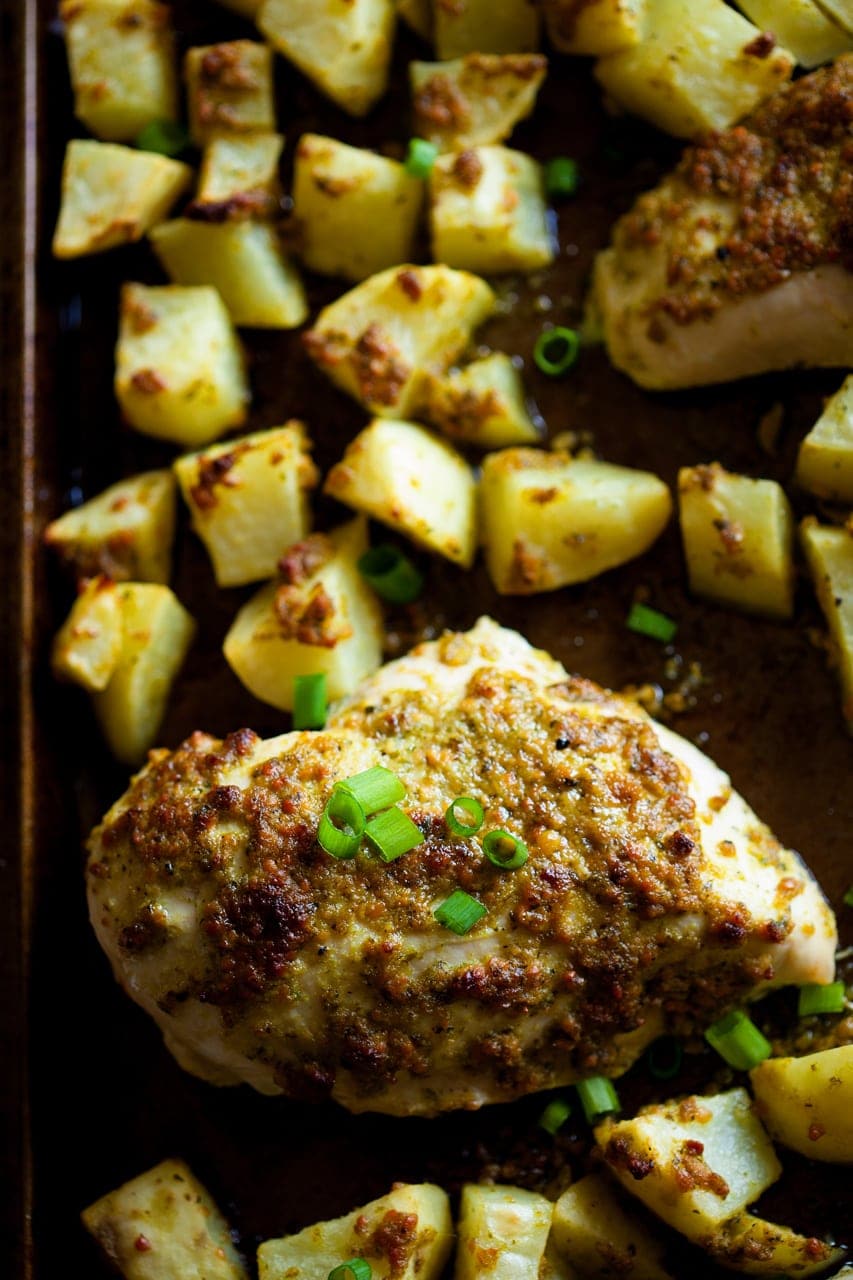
(483, 403)
(479, 26)
(364, 1233)
(502, 1233)
(738, 539)
(125, 533)
(800, 25)
(487, 211)
(759, 1248)
(695, 1163)
(344, 46)
(829, 552)
(87, 646)
(807, 1103)
(164, 1225)
(180, 372)
(121, 56)
(596, 27)
(401, 474)
(418, 14)
(111, 195)
(229, 89)
(601, 1237)
(244, 263)
(380, 341)
(322, 618)
(249, 500)
(548, 520)
(825, 461)
(238, 178)
(687, 77)
(475, 100)
(341, 195)
(157, 631)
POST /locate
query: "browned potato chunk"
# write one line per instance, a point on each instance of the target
(595, 27)
(484, 404)
(238, 178)
(480, 26)
(475, 100)
(229, 89)
(87, 646)
(829, 552)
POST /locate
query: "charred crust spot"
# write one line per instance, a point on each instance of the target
(410, 283)
(310, 618)
(243, 204)
(620, 1155)
(395, 1239)
(467, 169)
(379, 369)
(679, 844)
(692, 1173)
(257, 929)
(213, 472)
(301, 561)
(440, 104)
(762, 46)
(147, 931)
(147, 382)
(226, 66)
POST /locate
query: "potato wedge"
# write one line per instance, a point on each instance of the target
(475, 100)
(597, 27)
(483, 404)
(164, 1225)
(229, 89)
(825, 459)
(380, 341)
(401, 474)
(238, 178)
(829, 553)
(802, 27)
(807, 1103)
(601, 1237)
(502, 1232)
(87, 646)
(478, 26)
(759, 1248)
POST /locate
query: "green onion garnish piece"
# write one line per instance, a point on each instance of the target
(555, 1115)
(556, 350)
(561, 177)
(309, 701)
(649, 622)
(166, 137)
(664, 1058)
(848, 897)
(392, 834)
(375, 789)
(598, 1098)
(420, 157)
(391, 574)
(355, 1269)
(342, 825)
(816, 998)
(504, 851)
(460, 912)
(465, 816)
(737, 1039)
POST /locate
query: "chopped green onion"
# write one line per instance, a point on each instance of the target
(848, 897)
(163, 136)
(460, 912)
(649, 622)
(561, 177)
(391, 574)
(309, 701)
(737, 1039)
(392, 834)
(817, 998)
(471, 809)
(664, 1058)
(355, 1269)
(342, 825)
(555, 1115)
(598, 1098)
(504, 851)
(375, 789)
(556, 350)
(420, 157)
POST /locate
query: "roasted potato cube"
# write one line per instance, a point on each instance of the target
(125, 533)
(601, 1237)
(418, 14)
(502, 1233)
(478, 26)
(597, 27)
(315, 1251)
(703, 1159)
(180, 373)
(249, 500)
(825, 461)
(87, 646)
(157, 631)
(229, 89)
(688, 77)
(341, 195)
(238, 179)
(381, 340)
(548, 520)
(759, 1248)
(321, 617)
(401, 474)
(738, 539)
(244, 263)
(122, 62)
(483, 404)
(475, 100)
(487, 211)
(111, 195)
(829, 553)
(807, 1103)
(801, 26)
(344, 46)
(164, 1225)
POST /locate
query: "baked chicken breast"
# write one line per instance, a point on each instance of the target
(652, 898)
(740, 261)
